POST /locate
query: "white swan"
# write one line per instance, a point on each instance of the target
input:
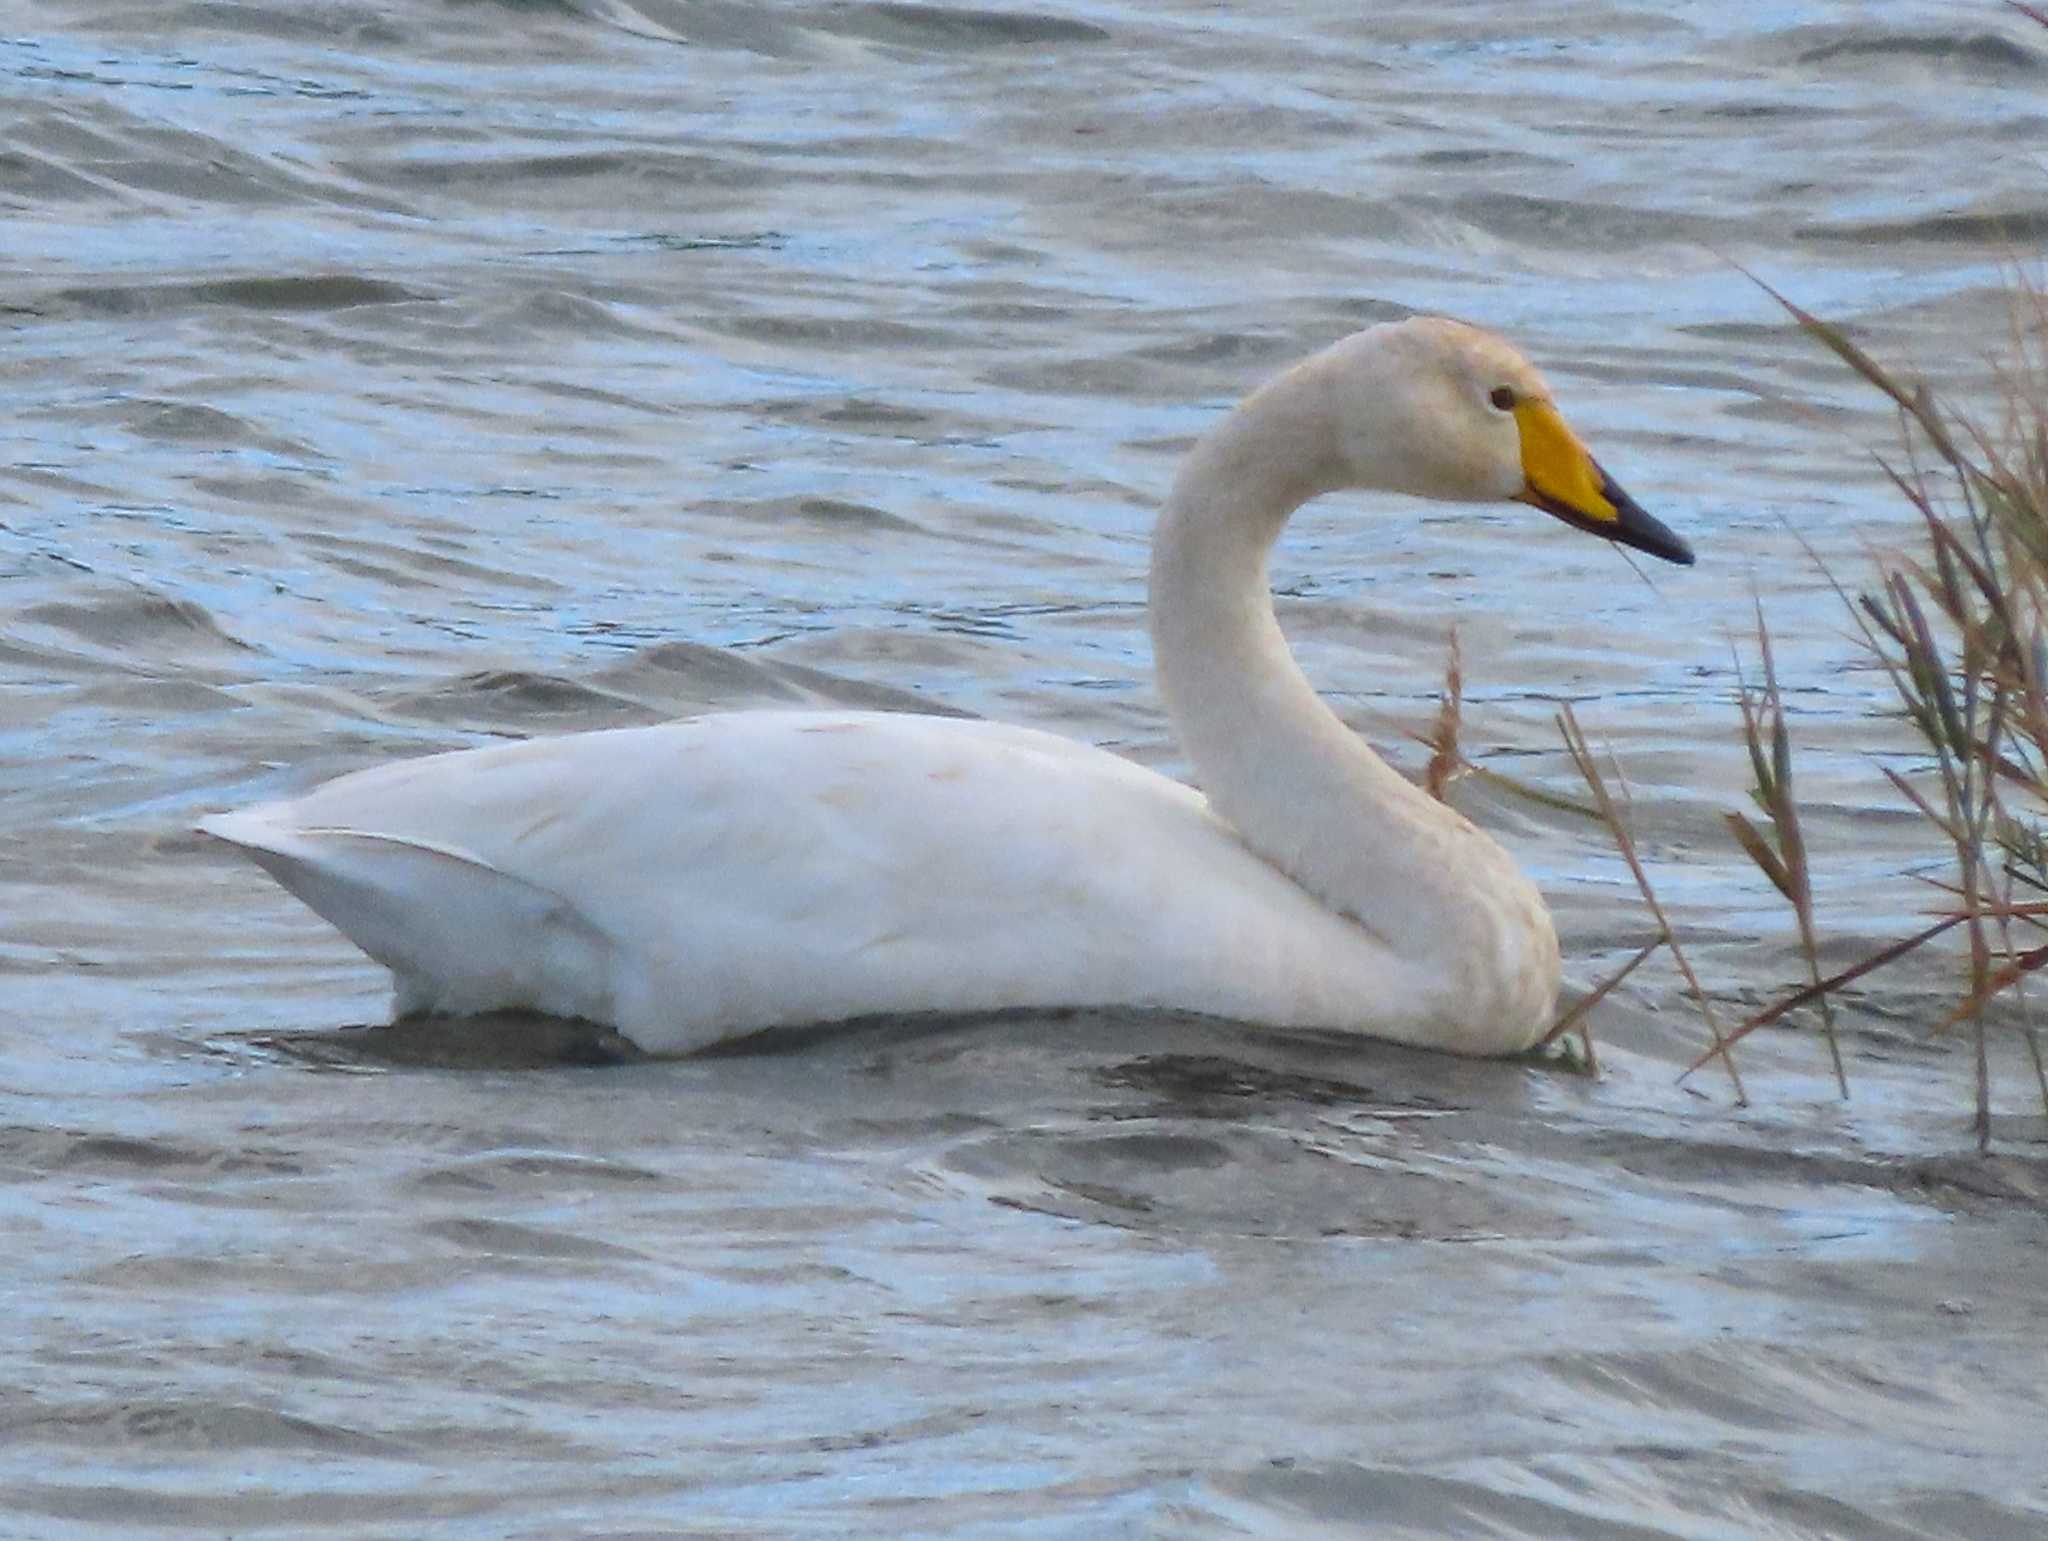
(708, 878)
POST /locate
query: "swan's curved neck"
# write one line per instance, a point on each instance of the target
(1301, 789)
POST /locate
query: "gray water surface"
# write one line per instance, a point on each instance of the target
(384, 378)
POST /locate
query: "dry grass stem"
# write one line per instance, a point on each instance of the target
(1530, 792)
(1783, 860)
(1446, 760)
(1961, 631)
(1624, 841)
(1848, 976)
(1577, 1016)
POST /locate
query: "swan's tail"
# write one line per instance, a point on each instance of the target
(458, 935)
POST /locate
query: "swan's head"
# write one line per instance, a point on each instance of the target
(1440, 409)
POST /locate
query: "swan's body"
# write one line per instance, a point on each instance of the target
(818, 865)
(709, 878)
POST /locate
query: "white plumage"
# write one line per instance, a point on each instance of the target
(708, 878)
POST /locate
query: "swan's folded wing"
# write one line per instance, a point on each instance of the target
(708, 872)
(692, 881)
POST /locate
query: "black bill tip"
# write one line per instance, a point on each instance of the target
(1632, 524)
(1640, 529)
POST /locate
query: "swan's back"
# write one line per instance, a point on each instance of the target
(754, 869)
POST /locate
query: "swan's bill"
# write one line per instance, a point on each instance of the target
(1564, 479)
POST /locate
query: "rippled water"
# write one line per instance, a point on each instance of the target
(390, 377)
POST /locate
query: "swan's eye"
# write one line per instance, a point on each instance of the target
(1504, 397)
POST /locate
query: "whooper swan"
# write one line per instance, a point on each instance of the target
(737, 871)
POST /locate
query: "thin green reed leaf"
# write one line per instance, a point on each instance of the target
(1759, 851)
(1930, 675)
(1949, 546)
(1951, 586)
(1868, 603)
(1781, 754)
(1752, 731)
(1830, 985)
(1585, 1004)
(1988, 753)
(1913, 795)
(1792, 841)
(1901, 679)
(1763, 645)
(1752, 736)
(1529, 791)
